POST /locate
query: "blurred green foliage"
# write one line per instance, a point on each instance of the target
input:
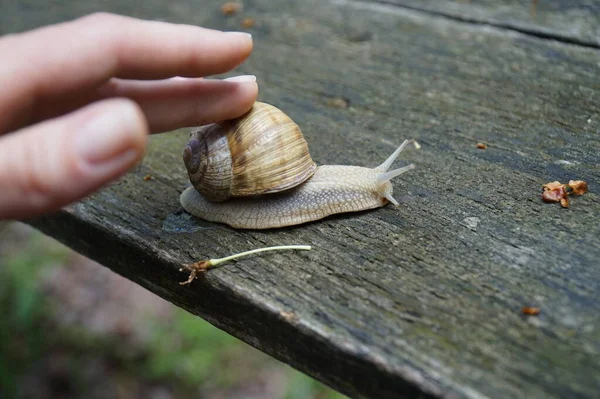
(23, 309)
(189, 357)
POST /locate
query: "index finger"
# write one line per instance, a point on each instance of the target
(82, 54)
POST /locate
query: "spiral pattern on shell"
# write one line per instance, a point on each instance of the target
(261, 152)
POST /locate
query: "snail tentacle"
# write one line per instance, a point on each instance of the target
(387, 176)
(388, 162)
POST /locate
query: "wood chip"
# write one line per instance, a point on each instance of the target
(230, 8)
(248, 22)
(557, 192)
(530, 311)
(578, 187)
(337, 102)
(533, 7)
(289, 316)
(554, 194)
(481, 146)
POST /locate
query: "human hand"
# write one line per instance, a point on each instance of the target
(79, 99)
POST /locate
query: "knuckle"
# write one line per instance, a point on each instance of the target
(103, 30)
(101, 24)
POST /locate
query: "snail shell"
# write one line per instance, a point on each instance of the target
(261, 152)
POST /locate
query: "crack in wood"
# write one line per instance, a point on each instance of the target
(529, 31)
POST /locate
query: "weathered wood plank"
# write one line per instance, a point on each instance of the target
(424, 298)
(576, 21)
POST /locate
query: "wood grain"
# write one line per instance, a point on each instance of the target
(424, 299)
(570, 21)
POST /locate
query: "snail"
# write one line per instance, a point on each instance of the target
(255, 172)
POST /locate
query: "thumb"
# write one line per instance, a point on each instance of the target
(46, 166)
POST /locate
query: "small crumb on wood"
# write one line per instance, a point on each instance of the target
(231, 8)
(338, 102)
(554, 194)
(530, 311)
(147, 177)
(248, 22)
(578, 187)
(481, 146)
(289, 316)
(558, 192)
(533, 7)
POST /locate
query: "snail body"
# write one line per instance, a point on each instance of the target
(320, 191)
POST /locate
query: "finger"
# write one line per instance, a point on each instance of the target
(49, 165)
(175, 103)
(92, 49)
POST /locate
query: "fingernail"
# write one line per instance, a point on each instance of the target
(109, 134)
(240, 33)
(241, 79)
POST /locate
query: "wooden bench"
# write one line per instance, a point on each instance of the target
(424, 300)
